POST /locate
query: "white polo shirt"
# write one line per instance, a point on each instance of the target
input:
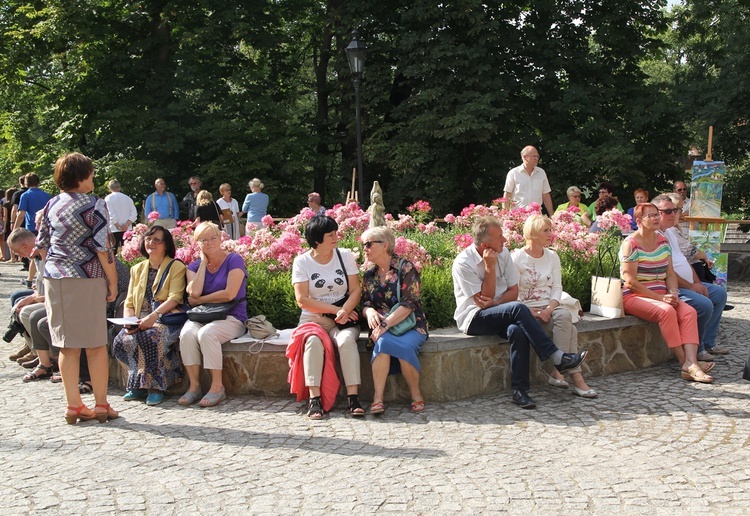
(526, 188)
(468, 274)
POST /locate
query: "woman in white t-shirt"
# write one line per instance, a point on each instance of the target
(540, 288)
(228, 203)
(326, 286)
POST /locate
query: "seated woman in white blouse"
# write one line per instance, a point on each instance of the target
(540, 288)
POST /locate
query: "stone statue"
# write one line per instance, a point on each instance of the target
(376, 209)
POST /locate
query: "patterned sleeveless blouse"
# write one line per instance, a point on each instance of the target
(652, 265)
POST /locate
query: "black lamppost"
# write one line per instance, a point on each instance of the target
(356, 53)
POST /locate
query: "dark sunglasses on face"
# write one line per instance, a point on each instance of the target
(369, 243)
(682, 189)
(670, 211)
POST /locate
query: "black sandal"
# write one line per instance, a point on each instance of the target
(355, 407)
(315, 410)
(46, 372)
(85, 387)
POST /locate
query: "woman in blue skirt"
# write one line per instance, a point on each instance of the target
(396, 346)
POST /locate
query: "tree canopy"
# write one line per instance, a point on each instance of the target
(230, 90)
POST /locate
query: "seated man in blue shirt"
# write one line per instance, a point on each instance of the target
(485, 283)
(163, 202)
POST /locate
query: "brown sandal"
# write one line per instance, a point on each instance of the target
(40, 372)
(696, 374)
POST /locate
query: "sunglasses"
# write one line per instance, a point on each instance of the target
(682, 189)
(369, 243)
(670, 211)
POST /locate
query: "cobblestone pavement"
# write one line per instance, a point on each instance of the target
(651, 443)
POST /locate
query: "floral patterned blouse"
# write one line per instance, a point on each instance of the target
(74, 228)
(383, 297)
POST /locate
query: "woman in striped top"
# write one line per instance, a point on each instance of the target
(651, 292)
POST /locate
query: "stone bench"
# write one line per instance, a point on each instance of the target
(454, 366)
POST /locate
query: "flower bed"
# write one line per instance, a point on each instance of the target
(270, 251)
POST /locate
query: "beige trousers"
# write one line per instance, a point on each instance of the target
(205, 340)
(346, 343)
(563, 332)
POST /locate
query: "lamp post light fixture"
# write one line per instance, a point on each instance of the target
(356, 53)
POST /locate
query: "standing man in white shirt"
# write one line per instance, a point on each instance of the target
(528, 183)
(122, 212)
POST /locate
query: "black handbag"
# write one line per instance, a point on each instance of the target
(349, 323)
(171, 318)
(210, 312)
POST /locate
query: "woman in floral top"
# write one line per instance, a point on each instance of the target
(540, 288)
(379, 294)
(79, 279)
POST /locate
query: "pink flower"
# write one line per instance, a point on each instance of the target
(463, 241)
(267, 221)
(153, 216)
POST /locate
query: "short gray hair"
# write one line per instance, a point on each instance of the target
(660, 199)
(482, 226)
(114, 185)
(572, 190)
(20, 235)
(381, 233)
(676, 199)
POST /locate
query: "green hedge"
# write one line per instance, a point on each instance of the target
(271, 293)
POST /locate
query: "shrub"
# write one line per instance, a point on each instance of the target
(270, 251)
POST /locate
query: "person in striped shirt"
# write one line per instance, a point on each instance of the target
(651, 292)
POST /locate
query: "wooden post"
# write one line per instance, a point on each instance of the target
(709, 152)
(352, 195)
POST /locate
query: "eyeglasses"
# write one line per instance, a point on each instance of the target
(155, 241)
(652, 216)
(369, 243)
(681, 189)
(205, 241)
(670, 211)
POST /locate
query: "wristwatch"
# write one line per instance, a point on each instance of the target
(383, 324)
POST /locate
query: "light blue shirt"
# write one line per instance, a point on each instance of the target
(165, 204)
(256, 206)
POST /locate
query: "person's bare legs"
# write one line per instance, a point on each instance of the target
(411, 375)
(99, 371)
(69, 370)
(578, 381)
(194, 376)
(216, 382)
(380, 367)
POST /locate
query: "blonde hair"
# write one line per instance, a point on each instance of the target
(381, 233)
(203, 198)
(224, 186)
(206, 227)
(255, 183)
(535, 225)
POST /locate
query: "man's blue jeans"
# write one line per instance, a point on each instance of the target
(514, 322)
(709, 311)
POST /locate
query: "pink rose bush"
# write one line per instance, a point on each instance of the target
(615, 218)
(426, 244)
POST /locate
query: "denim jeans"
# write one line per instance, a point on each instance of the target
(514, 322)
(709, 311)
